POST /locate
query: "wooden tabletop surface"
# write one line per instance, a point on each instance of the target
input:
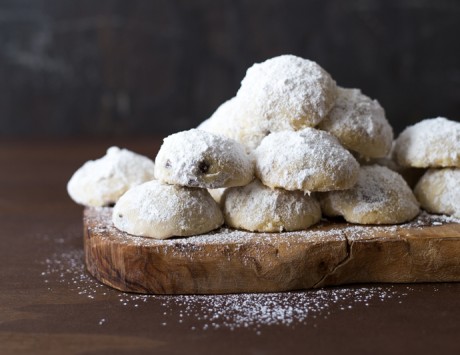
(50, 305)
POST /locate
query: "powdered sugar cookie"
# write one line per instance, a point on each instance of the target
(308, 160)
(160, 211)
(359, 123)
(258, 208)
(231, 120)
(439, 191)
(287, 92)
(197, 158)
(381, 196)
(101, 182)
(432, 143)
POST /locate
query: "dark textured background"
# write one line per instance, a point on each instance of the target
(145, 67)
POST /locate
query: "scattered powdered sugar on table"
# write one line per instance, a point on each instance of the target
(265, 309)
(68, 268)
(64, 271)
(234, 311)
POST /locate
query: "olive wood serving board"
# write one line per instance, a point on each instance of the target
(228, 261)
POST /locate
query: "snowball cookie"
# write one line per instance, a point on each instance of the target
(160, 211)
(359, 123)
(381, 196)
(231, 120)
(101, 182)
(197, 158)
(308, 160)
(258, 208)
(287, 92)
(439, 191)
(432, 143)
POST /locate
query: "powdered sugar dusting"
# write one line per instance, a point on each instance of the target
(101, 182)
(197, 158)
(101, 222)
(359, 123)
(253, 312)
(159, 210)
(381, 196)
(308, 160)
(324, 231)
(232, 120)
(373, 185)
(429, 143)
(256, 207)
(63, 271)
(439, 191)
(287, 92)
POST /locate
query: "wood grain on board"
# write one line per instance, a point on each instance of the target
(227, 261)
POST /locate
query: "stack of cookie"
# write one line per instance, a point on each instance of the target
(177, 203)
(305, 133)
(290, 147)
(433, 144)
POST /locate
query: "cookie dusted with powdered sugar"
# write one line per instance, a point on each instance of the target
(359, 123)
(287, 92)
(430, 143)
(160, 211)
(197, 158)
(258, 208)
(439, 191)
(307, 160)
(101, 182)
(381, 196)
(232, 120)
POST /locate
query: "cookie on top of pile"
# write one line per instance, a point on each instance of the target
(290, 147)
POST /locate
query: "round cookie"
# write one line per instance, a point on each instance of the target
(308, 160)
(287, 92)
(197, 158)
(101, 182)
(258, 208)
(439, 191)
(429, 143)
(231, 120)
(359, 123)
(381, 196)
(160, 211)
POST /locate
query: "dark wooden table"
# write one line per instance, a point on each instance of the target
(49, 304)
